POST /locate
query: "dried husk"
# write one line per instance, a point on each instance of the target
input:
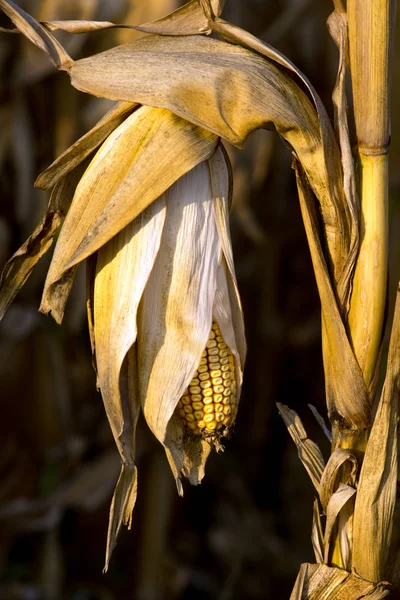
(152, 145)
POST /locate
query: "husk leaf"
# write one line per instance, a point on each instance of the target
(136, 164)
(172, 320)
(376, 495)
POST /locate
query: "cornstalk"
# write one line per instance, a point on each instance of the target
(371, 28)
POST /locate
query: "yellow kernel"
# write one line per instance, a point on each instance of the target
(205, 384)
(225, 368)
(218, 389)
(187, 409)
(215, 366)
(211, 425)
(222, 345)
(226, 400)
(196, 398)
(190, 417)
(217, 380)
(218, 408)
(185, 399)
(197, 405)
(216, 373)
(181, 412)
(215, 326)
(192, 425)
(204, 354)
(201, 424)
(211, 344)
(219, 417)
(213, 359)
(217, 398)
(195, 389)
(227, 383)
(194, 381)
(209, 408)
(227, 375)
(227, 420)
(202, 369)
(208, 418)
(207, 392)
(212, 335)
(204, 376)
(198, 414)
(224, 353)
(213, 352)
(203, 361)
(227, 410)
(223, 361)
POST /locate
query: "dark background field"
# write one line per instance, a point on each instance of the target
(243, 533)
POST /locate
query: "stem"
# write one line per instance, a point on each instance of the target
(369, 286)
(371, 29)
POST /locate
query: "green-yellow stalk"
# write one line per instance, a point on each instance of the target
(371, 24)
(370, 279)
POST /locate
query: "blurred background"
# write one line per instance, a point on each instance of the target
(243, 533)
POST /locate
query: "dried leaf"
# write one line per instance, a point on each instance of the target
(20, 266)
(317, 536)
(320, 582)
(336, 503)
(138, 161)
(336, 217)
(337, 26)
(309, 453)
(343, 377)
(37, 34)
(330, 476)
(321, 421)
(376, 495)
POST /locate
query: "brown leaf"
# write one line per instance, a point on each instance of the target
(320, 582)
(346, 393)
(376, 495)
(37, 34)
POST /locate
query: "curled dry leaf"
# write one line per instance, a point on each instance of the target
(309, 453)
(329, 479)
(336, 504)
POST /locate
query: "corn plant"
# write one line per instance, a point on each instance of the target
(144, 198)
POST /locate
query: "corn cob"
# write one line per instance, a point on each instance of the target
(208, 405)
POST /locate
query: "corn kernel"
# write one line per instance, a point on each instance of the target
(208, 407)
